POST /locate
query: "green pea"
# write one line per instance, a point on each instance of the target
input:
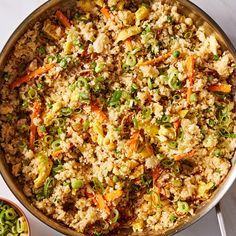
(176, 54)
(115, 179)
(77, 184)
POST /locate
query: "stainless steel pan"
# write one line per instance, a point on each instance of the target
(187, 8)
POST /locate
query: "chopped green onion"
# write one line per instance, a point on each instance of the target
(49, 105)
(173, 218)
(173, 144)
(135, 123)
(182, 207)
(188, 35)
(174, 83)
(134, 88)
(116, 217)
(211, 123)
(169, 19)
(164, 119)
(193, 98)
(66, 111)
(48, 139)
(77, 184)
(210, 78)
(131, 60)
(97, 185)
(83, 96)
(146, 113)
(76, 42)
(113, 8)
(63, 63)
(176, 54)
(10, 214)
(125, 67)
(6, 76)
(115, 99)
(56, 145)
(218, 153)
(57, 167)
(99, 67)
(83, 83)
(176, 97)
(146, 180)
(48, 186)
(41, 50)
(150, 85)
(21, 225)
(51, 59)
(166, 163)
(216, 57)
(32, 93)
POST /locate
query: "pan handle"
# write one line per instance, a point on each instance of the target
(220, 220)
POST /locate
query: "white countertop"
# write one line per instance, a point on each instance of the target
(12, 12)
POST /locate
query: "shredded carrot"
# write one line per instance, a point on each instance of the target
(176, 124)
(156, 175)
(58, 153)
(63, 19)
(133, 143)
(149, 149)
(224, 88)
(190, 74)
(128, 43)
(183, 156)
(101, 203)
(155, 60)
(101, 115)
(32, 75)
(113, 195)
(106, 12)
(33, 127)
(61, 151)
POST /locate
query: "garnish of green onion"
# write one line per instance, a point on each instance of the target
(182, 207)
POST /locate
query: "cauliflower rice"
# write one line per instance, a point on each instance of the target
(118, 113)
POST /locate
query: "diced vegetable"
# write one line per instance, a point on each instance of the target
(101, 203)
(155, 60)
(40, 71)
(142, 13)
(113, 195)
(44, 164)
(190, 64)
(100, 3)
(63, 19)
(183, 156)
(115, 99)
(97, 185)
(101, 115)
(105, 12)
(48, 186)
(127, 33)
(223, 88)
(128, 43)
(33, 127)
(204, 188)
(77, 184)
(132, 144)
(182, 207)
(176, 54)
